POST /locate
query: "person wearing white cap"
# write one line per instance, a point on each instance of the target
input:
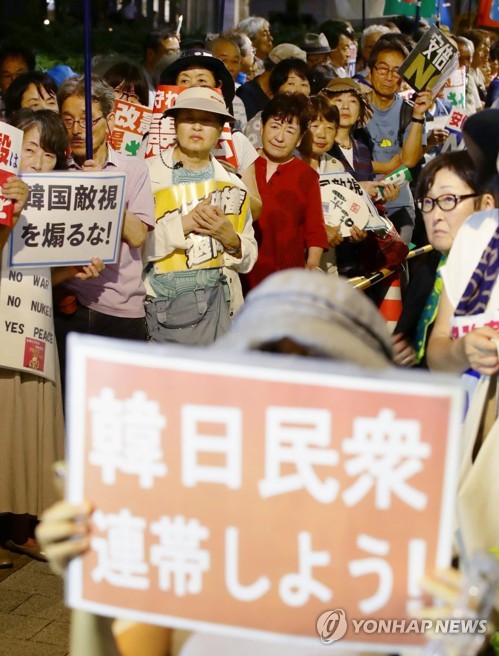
(190, 295)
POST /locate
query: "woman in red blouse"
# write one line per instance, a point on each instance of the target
(290, 231)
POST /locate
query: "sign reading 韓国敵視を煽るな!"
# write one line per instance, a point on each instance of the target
(69, 218)
(247, 495)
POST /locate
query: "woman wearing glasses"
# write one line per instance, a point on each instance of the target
(465, 334)
(448, 192)
(128, 82)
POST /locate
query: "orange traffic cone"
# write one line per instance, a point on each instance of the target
(391, 305)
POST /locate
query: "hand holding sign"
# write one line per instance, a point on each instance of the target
(334, 236)
(422, 104)
(389, 191)
(63, 533)
(17, 191)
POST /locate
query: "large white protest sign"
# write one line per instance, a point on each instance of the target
(248, 494)
(69, 218)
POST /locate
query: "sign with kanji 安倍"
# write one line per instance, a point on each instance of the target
(431, 62)
(69, 218)
(249, 496)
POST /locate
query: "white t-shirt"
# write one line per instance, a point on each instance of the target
(469, 244)
(348, 154)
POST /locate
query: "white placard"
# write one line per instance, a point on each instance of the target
(27, 340)
(69, 218)
(345, 203)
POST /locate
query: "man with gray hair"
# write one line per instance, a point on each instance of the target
(367, 42)
(111, 305)
(258, 30)
(466, 49)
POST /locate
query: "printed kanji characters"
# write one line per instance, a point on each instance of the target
(178, 556)
(53, 235)
(36, 198)
(225, 440)
(85, 197)
(126, 436)
(121, 552)
(298, 437)
(59, 197)
(386, 452)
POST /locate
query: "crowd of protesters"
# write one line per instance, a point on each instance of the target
(329, 103)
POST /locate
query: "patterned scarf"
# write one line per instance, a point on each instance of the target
(429, 313)
(476, 296)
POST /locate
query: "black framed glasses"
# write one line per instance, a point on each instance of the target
(446, 202)
(69, 121)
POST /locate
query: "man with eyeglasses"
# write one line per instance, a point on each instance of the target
(392, 142)
(113, 304)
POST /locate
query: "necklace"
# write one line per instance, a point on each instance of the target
(347, 146)
(177, 165)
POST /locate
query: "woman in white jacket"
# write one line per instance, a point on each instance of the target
(204, 233)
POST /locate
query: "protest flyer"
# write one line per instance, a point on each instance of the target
(130, 127)
(454, 90)
(345, 203)
(202, 252)
(162, 129)
(11, 142)
(250, 494)
(454, 125)
(27, 340)
(430, 63)
(68, 219)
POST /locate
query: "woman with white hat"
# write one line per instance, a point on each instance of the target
(195, 251)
